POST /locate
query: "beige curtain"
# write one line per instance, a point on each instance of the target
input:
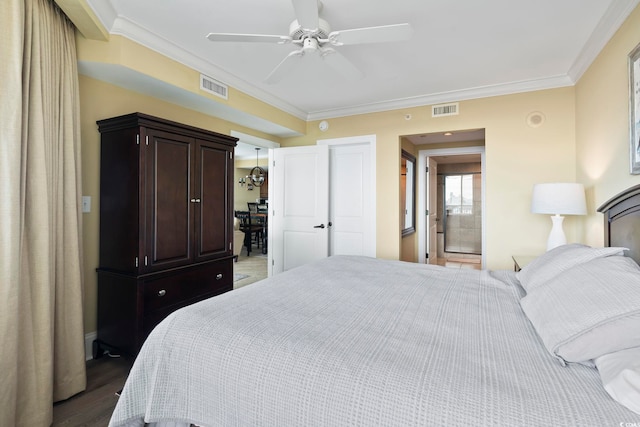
(41, 324)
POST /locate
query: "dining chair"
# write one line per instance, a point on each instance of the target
(259, 216)
(249, 228)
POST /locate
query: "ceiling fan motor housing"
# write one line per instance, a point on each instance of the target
(296, 32)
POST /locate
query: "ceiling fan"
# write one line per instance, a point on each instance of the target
(314, 36)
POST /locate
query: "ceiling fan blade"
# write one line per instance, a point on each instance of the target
(385, 33)
(341, 64)
(284, 67)
(307, 13)
(252, 38)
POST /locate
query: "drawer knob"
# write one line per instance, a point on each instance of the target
(162, 293)
(218, 276)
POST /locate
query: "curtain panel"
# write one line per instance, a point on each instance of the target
(41, 322)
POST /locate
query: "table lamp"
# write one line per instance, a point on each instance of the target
(558, 199)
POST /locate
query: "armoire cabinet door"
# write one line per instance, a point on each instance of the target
(169, 202)
(120, 182)
(213, 212)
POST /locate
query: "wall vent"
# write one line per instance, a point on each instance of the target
(213, 86)
(442, 110)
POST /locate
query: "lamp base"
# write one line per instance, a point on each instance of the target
(556, 237)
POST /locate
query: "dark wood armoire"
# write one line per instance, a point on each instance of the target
(166, 224)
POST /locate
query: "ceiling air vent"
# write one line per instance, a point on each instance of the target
(213, 86)
(444, 110)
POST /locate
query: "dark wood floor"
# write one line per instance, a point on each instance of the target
(105, 376)
(94, 406)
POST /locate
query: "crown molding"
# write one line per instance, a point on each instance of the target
(104, 11)
(135, 32)
(613, 18)
(131, 30)
(438, 98)
(130, 79)
(615, 15)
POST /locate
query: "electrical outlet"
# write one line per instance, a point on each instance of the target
(86, 204)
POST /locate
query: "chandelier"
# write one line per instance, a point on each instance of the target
(257, 175)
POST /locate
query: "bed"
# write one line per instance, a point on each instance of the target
(360, 341)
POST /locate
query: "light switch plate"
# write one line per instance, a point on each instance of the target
(86, 204)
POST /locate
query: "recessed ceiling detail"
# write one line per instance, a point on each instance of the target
(457, 51)
(313, 36)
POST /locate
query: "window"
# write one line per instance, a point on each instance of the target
(458, 194)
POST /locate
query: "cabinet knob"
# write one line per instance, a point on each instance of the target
(218, 276)
(162, 293)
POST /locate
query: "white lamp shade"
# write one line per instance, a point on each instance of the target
(559, 198)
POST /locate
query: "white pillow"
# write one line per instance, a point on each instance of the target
(620, 375)
(555, 261)
(589, 310)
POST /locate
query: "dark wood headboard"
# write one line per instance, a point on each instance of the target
(622, 221)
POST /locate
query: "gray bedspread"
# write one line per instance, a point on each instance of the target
(365, 342)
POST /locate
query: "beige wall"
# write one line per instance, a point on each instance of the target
(602, 127)
(517, 156)
(594, 113)
(242, 195)
(128, 56)
(99, 100)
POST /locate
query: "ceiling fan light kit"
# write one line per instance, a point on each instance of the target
(313, 34)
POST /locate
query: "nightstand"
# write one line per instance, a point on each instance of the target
(520, 261)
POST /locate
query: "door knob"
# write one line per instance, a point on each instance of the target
(319, 226)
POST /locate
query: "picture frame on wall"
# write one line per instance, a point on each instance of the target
(634, 109)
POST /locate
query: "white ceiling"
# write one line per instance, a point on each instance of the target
(459, 49)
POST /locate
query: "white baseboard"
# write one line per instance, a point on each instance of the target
(88, 344)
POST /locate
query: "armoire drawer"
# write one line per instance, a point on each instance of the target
(152, 318)
(179, 288)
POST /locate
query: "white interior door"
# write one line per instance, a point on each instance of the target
(352, 211)
(298, 206)
(423, 156)
(432, 208)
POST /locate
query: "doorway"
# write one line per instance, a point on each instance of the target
(465, 221)
(250, 151)
(460, 208)
(323, 200)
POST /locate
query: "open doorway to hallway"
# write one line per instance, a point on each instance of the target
(450, 199)
(459, 210)
(250, 204)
